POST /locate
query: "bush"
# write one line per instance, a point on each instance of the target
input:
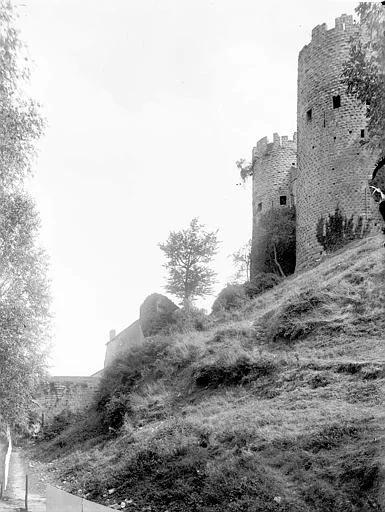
(276, 241)
(59, 423)
(240, 371)
(260, 283)
(233, 296)
(186, 320)
(158, 358)
(338, 230)
(156, 314)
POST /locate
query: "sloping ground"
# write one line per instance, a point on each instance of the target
(280, 408)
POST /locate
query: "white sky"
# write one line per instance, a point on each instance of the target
(149, 104)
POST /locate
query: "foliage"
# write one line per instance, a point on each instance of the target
(159, 357)
(58, 423)
(242, 262)
(364, 71)
(189, 253)
(245, 168)
(233, 296)
(260, 283)
(24, 297)
(278, 236)
(337, 230)
(241, 371)
(156, 313)
(379, 177)
(188, 320)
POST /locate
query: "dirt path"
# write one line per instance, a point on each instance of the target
(16, 486)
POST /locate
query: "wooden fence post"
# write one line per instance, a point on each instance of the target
(26, 492)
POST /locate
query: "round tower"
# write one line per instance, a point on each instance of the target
(274, 171)
(334, 167)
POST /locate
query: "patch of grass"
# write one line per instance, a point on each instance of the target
(181, 466)
(278, 406)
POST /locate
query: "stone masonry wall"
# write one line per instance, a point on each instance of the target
(333, 165)
(65, 393)
(272, 164)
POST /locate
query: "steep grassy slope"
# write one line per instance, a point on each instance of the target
(279, 409)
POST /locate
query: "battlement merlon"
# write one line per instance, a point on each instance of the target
(264, 147)
(344, 23)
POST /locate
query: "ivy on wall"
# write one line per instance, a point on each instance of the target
(337, 230)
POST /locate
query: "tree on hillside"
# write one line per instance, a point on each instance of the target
(24, 294)
(189, 253)
(242, 263)
(364, 72)
(278, 237)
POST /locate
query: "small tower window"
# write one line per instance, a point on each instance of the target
(309, 115)
(282, 200)
(362, 134)
(336, 101)
(259, 207)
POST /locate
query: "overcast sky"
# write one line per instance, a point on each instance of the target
(149, 104)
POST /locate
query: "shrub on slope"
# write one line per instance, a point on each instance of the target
(233, 296)
(158, 358)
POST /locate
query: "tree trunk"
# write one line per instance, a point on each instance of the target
(277, 263)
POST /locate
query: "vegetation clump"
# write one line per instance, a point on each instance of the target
(337, 230)
(241, 371)
(156, 314)
(260, 283)
(233, 296)
(277, 239)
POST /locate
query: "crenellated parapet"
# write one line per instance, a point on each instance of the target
(345, 26)
(264, 147)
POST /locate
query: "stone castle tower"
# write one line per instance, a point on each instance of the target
(333, 166)
(274, 173)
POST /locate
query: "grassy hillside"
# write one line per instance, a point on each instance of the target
(279, 408)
